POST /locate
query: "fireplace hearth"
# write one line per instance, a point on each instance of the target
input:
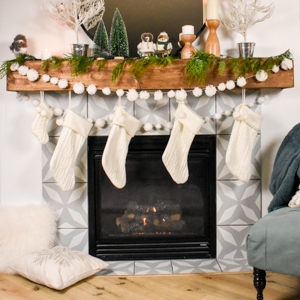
(152, 217)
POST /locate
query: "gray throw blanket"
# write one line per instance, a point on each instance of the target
(286, 170)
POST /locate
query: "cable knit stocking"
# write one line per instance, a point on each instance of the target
(187, 124)
(115, 152)
(75, 131)
(41, 120)
(238, 156)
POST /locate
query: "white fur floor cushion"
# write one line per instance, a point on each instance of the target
(25, 229)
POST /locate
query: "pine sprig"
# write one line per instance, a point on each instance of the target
(118, 71)
(100, 64)
(79, 64)
(53, 63)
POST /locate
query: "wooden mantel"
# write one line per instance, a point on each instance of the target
(170, 77)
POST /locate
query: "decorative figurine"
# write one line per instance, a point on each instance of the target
(146, 47)
(19, 45)
(163, 46)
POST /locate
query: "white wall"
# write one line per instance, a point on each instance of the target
(20, 152)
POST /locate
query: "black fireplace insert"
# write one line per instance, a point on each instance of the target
(152, 217)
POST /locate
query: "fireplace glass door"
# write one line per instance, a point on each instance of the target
(152, 217)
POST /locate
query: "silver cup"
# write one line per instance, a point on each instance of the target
(246, 49)
(80, 49)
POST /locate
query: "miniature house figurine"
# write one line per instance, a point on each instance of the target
(163, 46)
(146, 47)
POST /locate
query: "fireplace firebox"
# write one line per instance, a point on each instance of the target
(152, 217)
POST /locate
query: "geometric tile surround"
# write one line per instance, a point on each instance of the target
(238, 204)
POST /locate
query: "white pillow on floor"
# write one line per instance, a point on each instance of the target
(58, 267)
(24, 229)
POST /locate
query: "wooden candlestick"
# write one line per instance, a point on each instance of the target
(212, 44)
(188, 49)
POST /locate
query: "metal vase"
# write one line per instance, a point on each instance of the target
(80, 49)
(246, 49)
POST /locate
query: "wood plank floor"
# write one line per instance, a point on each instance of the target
(214, 286)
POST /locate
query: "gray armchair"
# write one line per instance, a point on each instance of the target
(273, 243)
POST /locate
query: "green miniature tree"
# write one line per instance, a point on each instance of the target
(101, 48)
(119, 45)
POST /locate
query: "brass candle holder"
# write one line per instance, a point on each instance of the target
(213, 44)
(188, 49)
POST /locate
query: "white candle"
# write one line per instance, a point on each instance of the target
(188, 29)
(213, 10)
(46, 54)
(204, 10)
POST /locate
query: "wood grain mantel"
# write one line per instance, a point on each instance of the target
(155, 78)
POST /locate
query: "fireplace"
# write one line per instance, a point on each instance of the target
(152, 217)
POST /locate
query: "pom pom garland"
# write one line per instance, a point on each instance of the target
(197, 92)
(222, 87)
(181, 95)
(23, 70)
(286, 64)
(275, 69)
(120, 92)
(132, 95)
(261, 75)
(144, 95)
(210, 90)
(171, 94)
(14, 66)
(241, 81)
(230, 85)
(46, 78)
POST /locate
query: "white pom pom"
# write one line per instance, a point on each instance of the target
(43, 113)
(250, 104)
(227, 113)
(169, 125)
(210, 90)
(54, 80)
(78, 87)
(197, 92)
(59, 122)
(158, 95)
(222, 87)
(261, 100)
(286, 64)
(171, 94)
(144, 95)
(38, 109)
(57, 111)
(23, 70)
(275, 69)
(230, 85)
(120, 92)
(148, 126)
(106, 91)
(14, 66)
(35, 102)
(241, 81)
(236, 114)
(132, 95)
(261, 75)
(91, 89)
(217, 116)
(100, 123)
(91, 120)
(63, 83)
(181, 115)
(181, 95)
(32, 75)
(206, 119)
(158, 126)
(46, 78)
(121, 119)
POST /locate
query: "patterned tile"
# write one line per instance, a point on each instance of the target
(237, 265)
(189, 266)
(238, 203)
(222, 170)
(61, 100)
(71, 206)
(153, 267)
(154, 112)
(231, 242)
(102, 106)
(76, 239)
(118, 268)
(80, 168)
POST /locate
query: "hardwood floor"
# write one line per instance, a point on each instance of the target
(205, 286)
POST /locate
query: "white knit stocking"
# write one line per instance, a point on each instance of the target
(115, 152)
(75, 131)
(187, 124)
(238, 156)
(41, 120)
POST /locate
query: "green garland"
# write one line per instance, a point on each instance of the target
(196, 68)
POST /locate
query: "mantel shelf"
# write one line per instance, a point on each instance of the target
(155, 78)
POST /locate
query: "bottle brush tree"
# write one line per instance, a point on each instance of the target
(118, 36)
(101, 40)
